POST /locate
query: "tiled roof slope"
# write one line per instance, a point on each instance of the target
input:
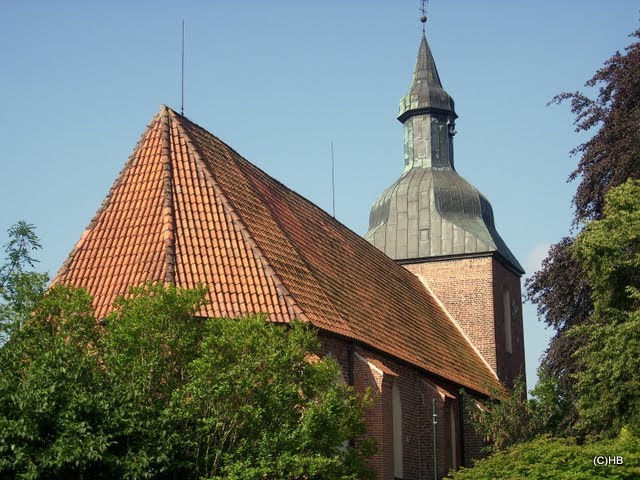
(187, 209)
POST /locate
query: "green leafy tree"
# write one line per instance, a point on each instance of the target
(156, 392)
(516, 419)
(54, 402)
(609, 249)
(549, 407)
(561, 289)
(507, 421)
(20, 286)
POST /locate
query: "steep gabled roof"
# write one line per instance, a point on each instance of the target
(187, 209)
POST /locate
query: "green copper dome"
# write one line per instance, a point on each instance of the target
(431, 210)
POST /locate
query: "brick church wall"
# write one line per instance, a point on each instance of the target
(378, 372)
(472, 290)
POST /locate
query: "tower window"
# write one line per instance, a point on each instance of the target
(506, 306)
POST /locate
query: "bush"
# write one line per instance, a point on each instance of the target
(561, 459)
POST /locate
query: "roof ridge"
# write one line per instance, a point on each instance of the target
(294, 309)
(105, 203)
(229, 148)
(303, 258)
(168, 207)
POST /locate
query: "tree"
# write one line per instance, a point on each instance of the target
(20, 287)
(561, 289)
(157, 392)
(612, 155)
(515, 419)
(562, 292)
(55, 415)
(609, 249)
(507, 421)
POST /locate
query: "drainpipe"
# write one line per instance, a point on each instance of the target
(461, 399)
(350, 379)
(350, 364)
(434, 423)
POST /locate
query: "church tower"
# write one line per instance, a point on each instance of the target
(441, 228)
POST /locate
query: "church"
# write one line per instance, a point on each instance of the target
(425, 310)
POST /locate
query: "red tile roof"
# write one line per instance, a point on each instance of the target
(187, 209)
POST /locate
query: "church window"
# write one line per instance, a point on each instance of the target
(453, 438)
(397, 432)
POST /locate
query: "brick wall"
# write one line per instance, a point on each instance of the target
(472, 290)
(510, 365)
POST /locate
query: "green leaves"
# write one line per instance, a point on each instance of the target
(22, 241)
(561, 459)
(156, 392)
(609, 249)
(153, 391)
(51, 407)
(611, 156)
(19, 288)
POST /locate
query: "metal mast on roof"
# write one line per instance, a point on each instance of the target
(333, 183)
(182, 74)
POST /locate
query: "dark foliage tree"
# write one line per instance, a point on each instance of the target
(561, 289)
(562, 293)
(612, 155)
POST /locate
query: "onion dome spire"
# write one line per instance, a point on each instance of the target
(426, 93)
(431, 210)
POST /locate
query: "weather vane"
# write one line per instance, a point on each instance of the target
(423, 11)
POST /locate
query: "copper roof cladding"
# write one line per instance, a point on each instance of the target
(187, 209)
(431, 210)
(426, 92)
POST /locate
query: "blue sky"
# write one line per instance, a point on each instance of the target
(81, 80)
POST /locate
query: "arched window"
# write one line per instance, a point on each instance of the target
(397, 431)
(452, 436)
(506, 306)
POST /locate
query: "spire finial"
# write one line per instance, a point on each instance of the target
(423, 11)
